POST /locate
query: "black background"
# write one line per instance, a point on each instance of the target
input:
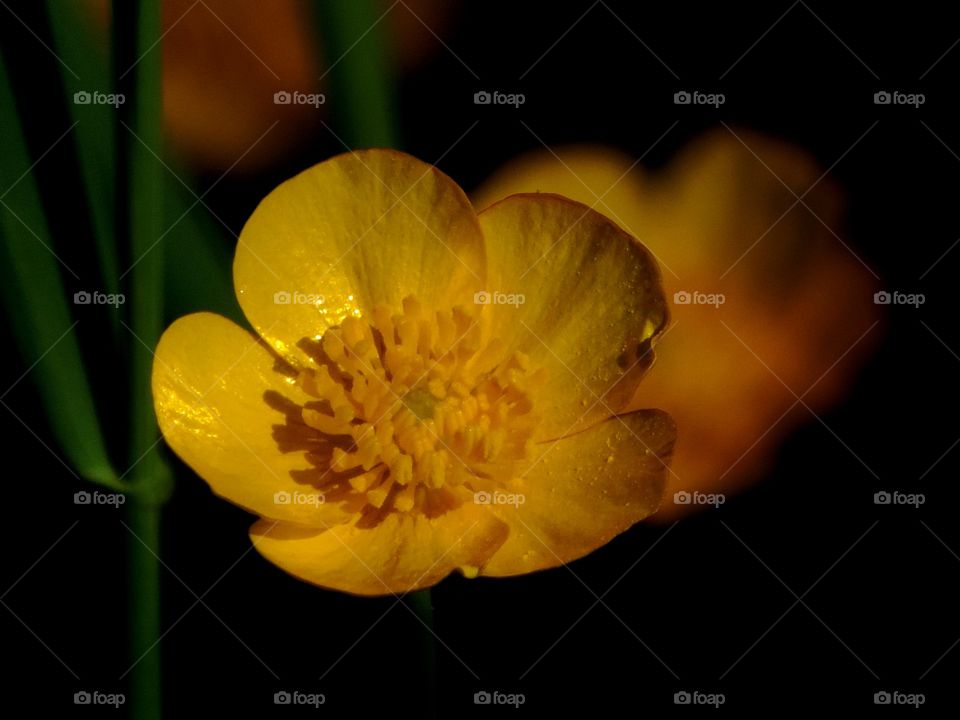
(709, 604)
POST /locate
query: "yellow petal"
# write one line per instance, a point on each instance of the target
(358, 230)
(399, 554)
(230, 415)
(583, 490)
(591, 305)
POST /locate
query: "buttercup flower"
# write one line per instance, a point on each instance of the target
(430, 389)
(768, 305)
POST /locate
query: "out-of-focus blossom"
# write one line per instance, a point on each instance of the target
(225, 60)
(411, 406)
(767, 303)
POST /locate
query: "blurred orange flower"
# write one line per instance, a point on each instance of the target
(224, 60)
(768, 305)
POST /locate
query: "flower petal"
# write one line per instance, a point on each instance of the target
(358, 230)
(400, 554)
(583, 490)
(232, 416)
(592, 304)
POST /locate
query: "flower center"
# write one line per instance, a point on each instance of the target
(421, 403)
(421, 412)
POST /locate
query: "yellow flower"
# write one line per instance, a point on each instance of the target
(767, 303)
(432, 389)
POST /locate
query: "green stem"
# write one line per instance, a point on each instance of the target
(361, 87)
(37, 305)
(144, 594)
(422, 603)
(95, 128)
(150, 475)
(146, 227)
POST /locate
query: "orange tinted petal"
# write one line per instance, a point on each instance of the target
(592, 304)
(582, 491)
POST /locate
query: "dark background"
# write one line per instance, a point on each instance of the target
(709, 604)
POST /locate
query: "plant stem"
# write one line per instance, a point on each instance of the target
(150, 474)
(144, 594)
(361, 92)
(422, 603)
(37, 307)
(95, 129)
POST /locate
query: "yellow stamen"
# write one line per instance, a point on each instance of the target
(430, 413)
